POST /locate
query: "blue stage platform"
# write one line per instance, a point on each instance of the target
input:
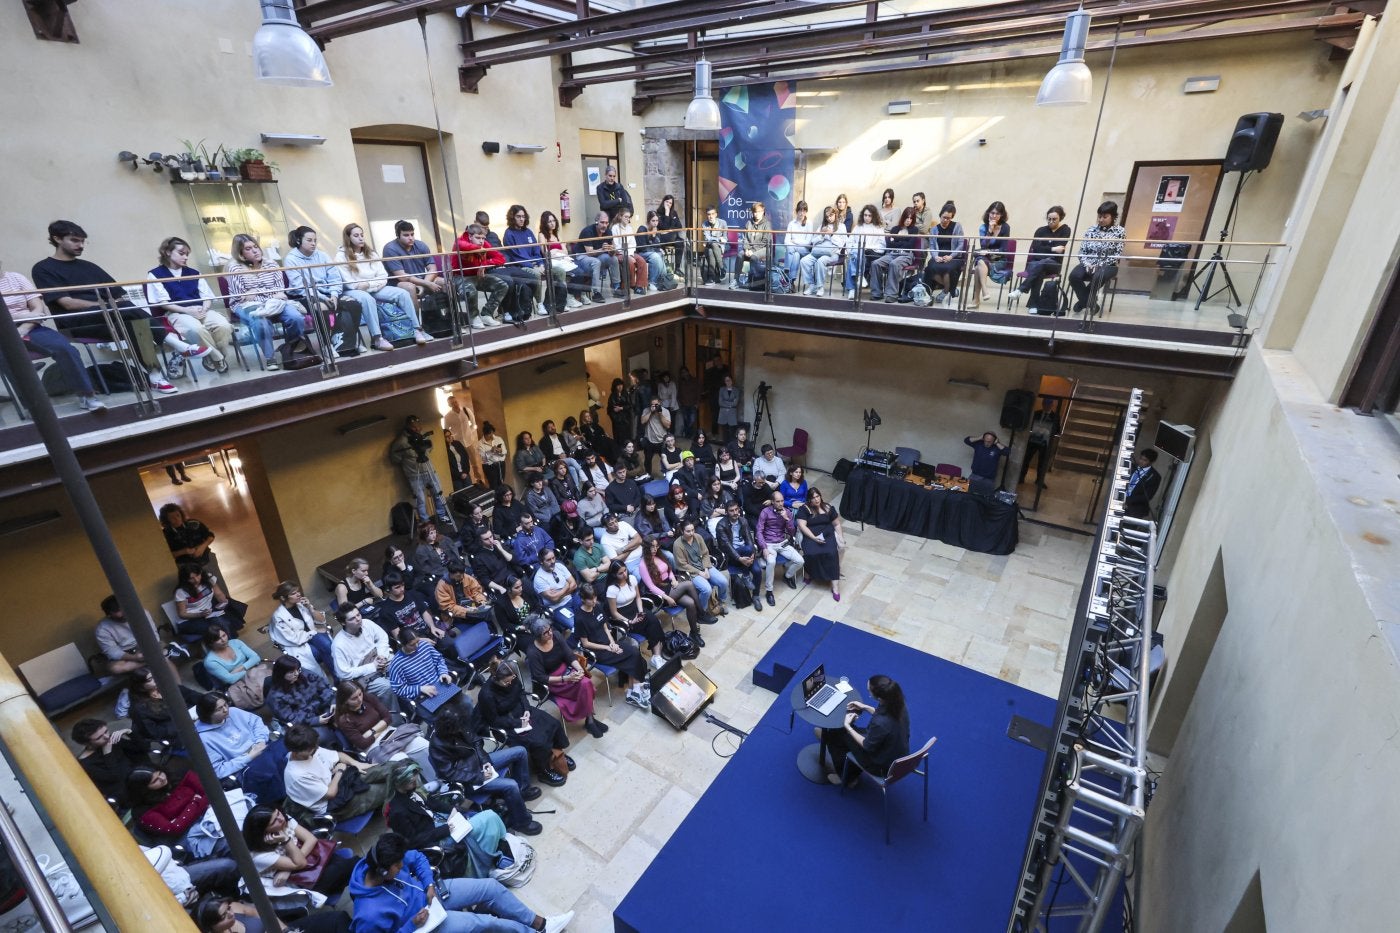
(764, 849)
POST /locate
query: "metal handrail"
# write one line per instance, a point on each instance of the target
(36, 883)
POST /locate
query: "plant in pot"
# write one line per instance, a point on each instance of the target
(228, 165)
(253, 164)
(211, 162)
(191, 165)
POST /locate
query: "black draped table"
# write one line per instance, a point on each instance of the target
(961, 519)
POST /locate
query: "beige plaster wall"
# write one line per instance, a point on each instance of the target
(530, 397)
(144, 76)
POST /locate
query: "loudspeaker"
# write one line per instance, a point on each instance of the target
(1252, 145)
(490, 148)
(842, 470)
(1016, 409)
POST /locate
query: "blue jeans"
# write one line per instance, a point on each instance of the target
(513, 769)
(499, 910)
(856, 266)
(599, 265)
(792, 258)
(293, 325)
(65, 357)
(712, 579)
(389, 295)
(420, 483)
(656, 266)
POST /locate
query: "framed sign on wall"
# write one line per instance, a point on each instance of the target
(1167, 202)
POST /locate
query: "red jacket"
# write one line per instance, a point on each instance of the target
(174, 815)
(474, 260)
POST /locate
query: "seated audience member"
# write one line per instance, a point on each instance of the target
(552, 663)
(404, 608)
(566, 478)
(415, 579)
(529, 460)
(693, 476)
(459, 758)
(715, 502)
(434, 552)
(797, 243)
(411, 265)
(625, 607)
(551, 443)
(85, 284)
(257, 293)
(299, 628)
(514, 607)
(596, 472)
(827, 243)
(221, 914)
(755, 243)
(728, 472)
(589, 558)
(680, 503)
(867, 244)
(176, 291)
(460, 598)
(568, 529)
(704, 451)
(479, 263)
(715, 266)
(367, 282)
(151, 718)
(986, 455)
(769, 465)
(417, 671)
(754, 497)
(320, 287)
(903, 255)
(35, 325)
(555, 588)
(476, 525)
(794, 488)
(651, 248)
(947, 254)
(623, 495)
(232, 737)
(693, 562)
(116, 641)
(775, 533)
(505, 516)
(620, 541)
(189, 540)
(990, 262)
(1047, 257)
(669, 228)
(423, 821)
(357, 587)
(670, 591)
(168, 808)
(491, 563)
(523, 254)
(1098, 255)
(368, 728)
(200, 601)
(216, 878)
(108, 757)
(361, 653)
(651, 522)
(317, 782)
(593, 507)
(596, 255)
(483, 220)
(635, 270)
(556, 262)
(741, 448)
(594, 630)
(540, 501)
(595, 439)
(236, 667)
(281, 848)
(671, 457)
(300, 695)
(746, 564)
(501, 704)
(393, 885)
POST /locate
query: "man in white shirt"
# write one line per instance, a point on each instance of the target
(621, 541)
(770, 465)
(460, 422)
(313, 776)
(361, 652)
(556, 588)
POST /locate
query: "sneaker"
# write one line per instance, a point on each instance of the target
(634, 697)
(541, 310)
(552, 778)
(572, 302)
(222, 367)
(757, 605)
(273, 364)
(597, 298)
(421, 337)
(159, 384)
(639, 291)
(478, 322)
(889, 299)
(557, 922)
(850, 294)
(863, 282)
(569, 760)
(506, 319)
(652, 289)
(1032, 310)
(174, 651)
(91, 403)
(382, 343)
(196, 353)
(530, 793)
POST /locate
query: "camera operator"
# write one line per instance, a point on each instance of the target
(656, 424)
(410, 451)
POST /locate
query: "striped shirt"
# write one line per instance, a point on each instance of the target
(409, 673)
(247, 286)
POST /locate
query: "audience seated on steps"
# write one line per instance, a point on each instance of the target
(361, 652)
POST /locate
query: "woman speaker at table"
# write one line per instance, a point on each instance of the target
(876, 745)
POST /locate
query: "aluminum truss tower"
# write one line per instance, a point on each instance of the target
(1095, 790)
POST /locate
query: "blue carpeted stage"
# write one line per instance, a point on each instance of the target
(764, 849)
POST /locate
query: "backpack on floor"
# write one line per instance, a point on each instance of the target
(401, 518)
(519, 302)
(677, 644)
(780, 280)
(741, 589)
(1048, 301)
(297, 354)
(346, 323)
(395, 324)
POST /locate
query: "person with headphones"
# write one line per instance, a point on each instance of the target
(986, 454)
(393, 889)
(317, 283)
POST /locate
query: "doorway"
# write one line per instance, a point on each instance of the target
(599, 149)
(701, 179)
(394, 181)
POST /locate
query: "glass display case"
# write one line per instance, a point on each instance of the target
(214, 211)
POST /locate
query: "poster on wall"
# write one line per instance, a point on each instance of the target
(1168, 202)
(757, 160)
(595, 178)
(1171, 194)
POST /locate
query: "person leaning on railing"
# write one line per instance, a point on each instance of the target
(176, 290)
(367, 281)
(256, 291)
(597, 256)
(1098, 255)
(30, 316)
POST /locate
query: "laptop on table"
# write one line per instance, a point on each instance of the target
(820, 695)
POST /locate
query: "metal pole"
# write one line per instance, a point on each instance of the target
(75, 483)
(36, 884)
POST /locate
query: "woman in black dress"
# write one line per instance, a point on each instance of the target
(704, 451)
(505, 517)
(876, 745)
(591, 627)
(594, 437)
(820, 527)
(501, 705)
(620, 412)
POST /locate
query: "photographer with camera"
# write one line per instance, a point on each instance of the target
(656, 424)
(410, 451)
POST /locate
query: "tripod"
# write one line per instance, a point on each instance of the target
(760, 409)
(1217, 258)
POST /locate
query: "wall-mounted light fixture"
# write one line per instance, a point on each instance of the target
(1201, 85)
(894, 145)
(1069, 82)
(490, 148)
(359, 424)
(523, 147)
(293, 139)
(898, 107)
(970, 383)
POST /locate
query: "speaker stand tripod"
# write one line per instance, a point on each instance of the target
(1217, 258)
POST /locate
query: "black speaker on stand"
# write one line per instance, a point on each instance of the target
(1016, 409)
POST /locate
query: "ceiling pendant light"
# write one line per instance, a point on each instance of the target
(1069, 83)
(283, 53)
(703, 112)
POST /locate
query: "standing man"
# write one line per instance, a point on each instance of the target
(1045, 427)
(986, 455)
(776, 532)
(189, 540)
(596, 254)
(612, 196)
(462, 423)
(656, 424)
(1142, 486)
(410, 451)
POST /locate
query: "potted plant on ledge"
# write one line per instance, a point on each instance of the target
(253, 164)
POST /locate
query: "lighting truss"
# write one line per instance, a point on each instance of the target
(1095, 789)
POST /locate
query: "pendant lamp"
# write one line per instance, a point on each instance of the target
(703, 112)
(283, 53)
(1069, 83)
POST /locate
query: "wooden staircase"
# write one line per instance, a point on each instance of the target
(1090, 430)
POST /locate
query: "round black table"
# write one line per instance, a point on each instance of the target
(811, 760)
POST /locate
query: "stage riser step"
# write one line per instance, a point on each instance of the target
(775, 670)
